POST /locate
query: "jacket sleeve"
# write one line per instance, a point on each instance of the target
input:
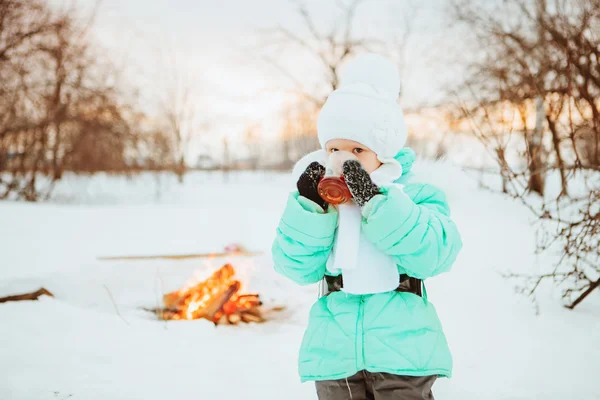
(413, 225)
(304, 240)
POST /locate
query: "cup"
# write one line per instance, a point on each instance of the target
(332, 188)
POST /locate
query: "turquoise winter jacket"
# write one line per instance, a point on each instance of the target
(393, 332)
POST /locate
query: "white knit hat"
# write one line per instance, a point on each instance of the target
(365, 109)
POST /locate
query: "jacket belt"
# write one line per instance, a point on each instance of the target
(407, 284)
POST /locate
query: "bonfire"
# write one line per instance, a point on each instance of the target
(217, 299)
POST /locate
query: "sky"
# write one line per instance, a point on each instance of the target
(219, 46)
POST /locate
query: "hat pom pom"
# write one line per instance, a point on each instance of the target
(373, 70)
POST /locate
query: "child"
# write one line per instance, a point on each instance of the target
(373, 334)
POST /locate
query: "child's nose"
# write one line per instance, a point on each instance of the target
(336, 161)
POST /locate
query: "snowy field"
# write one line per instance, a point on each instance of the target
(93, 341)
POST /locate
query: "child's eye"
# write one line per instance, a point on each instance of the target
(357, 150)
(333, 150)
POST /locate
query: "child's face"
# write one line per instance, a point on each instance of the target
(366, 156)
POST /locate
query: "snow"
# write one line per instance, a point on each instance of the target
(93, 341)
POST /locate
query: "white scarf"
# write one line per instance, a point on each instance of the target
(365, 269)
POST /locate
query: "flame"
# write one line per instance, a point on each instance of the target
(213, 298)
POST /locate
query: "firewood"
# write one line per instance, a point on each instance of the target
(215, 299)
(243, 303)
(253, 311)
(173, 299)
(219, 301)
(230, 307)
(234, 319)
(182, 256)
(246, 317)
(27, 296)
(248, 295)
(177, 298)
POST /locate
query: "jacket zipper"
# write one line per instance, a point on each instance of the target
(359, 345)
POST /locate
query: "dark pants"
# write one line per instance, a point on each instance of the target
(377, 386)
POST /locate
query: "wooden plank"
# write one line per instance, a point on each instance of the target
(180, 256)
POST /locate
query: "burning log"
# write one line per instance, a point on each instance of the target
(247, 317)
(211, 310)
(223, 274)
(234, 318)
(242, 302)
(215, 299)
(27, 296)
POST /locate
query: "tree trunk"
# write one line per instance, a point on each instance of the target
(559, 157)
(535, 145)
(535, 149)
(226, 159)
(181, 170)
(504, 169)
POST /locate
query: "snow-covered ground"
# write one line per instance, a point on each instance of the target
(92, 341)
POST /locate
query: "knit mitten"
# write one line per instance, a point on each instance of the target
(359, 182)
(308, 182)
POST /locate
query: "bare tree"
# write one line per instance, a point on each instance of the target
(226, 162)
(540, 62)
(328, 46)
(179, 107)
(331, 46)
(58, 101)
(298, 135)
(252, 144)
